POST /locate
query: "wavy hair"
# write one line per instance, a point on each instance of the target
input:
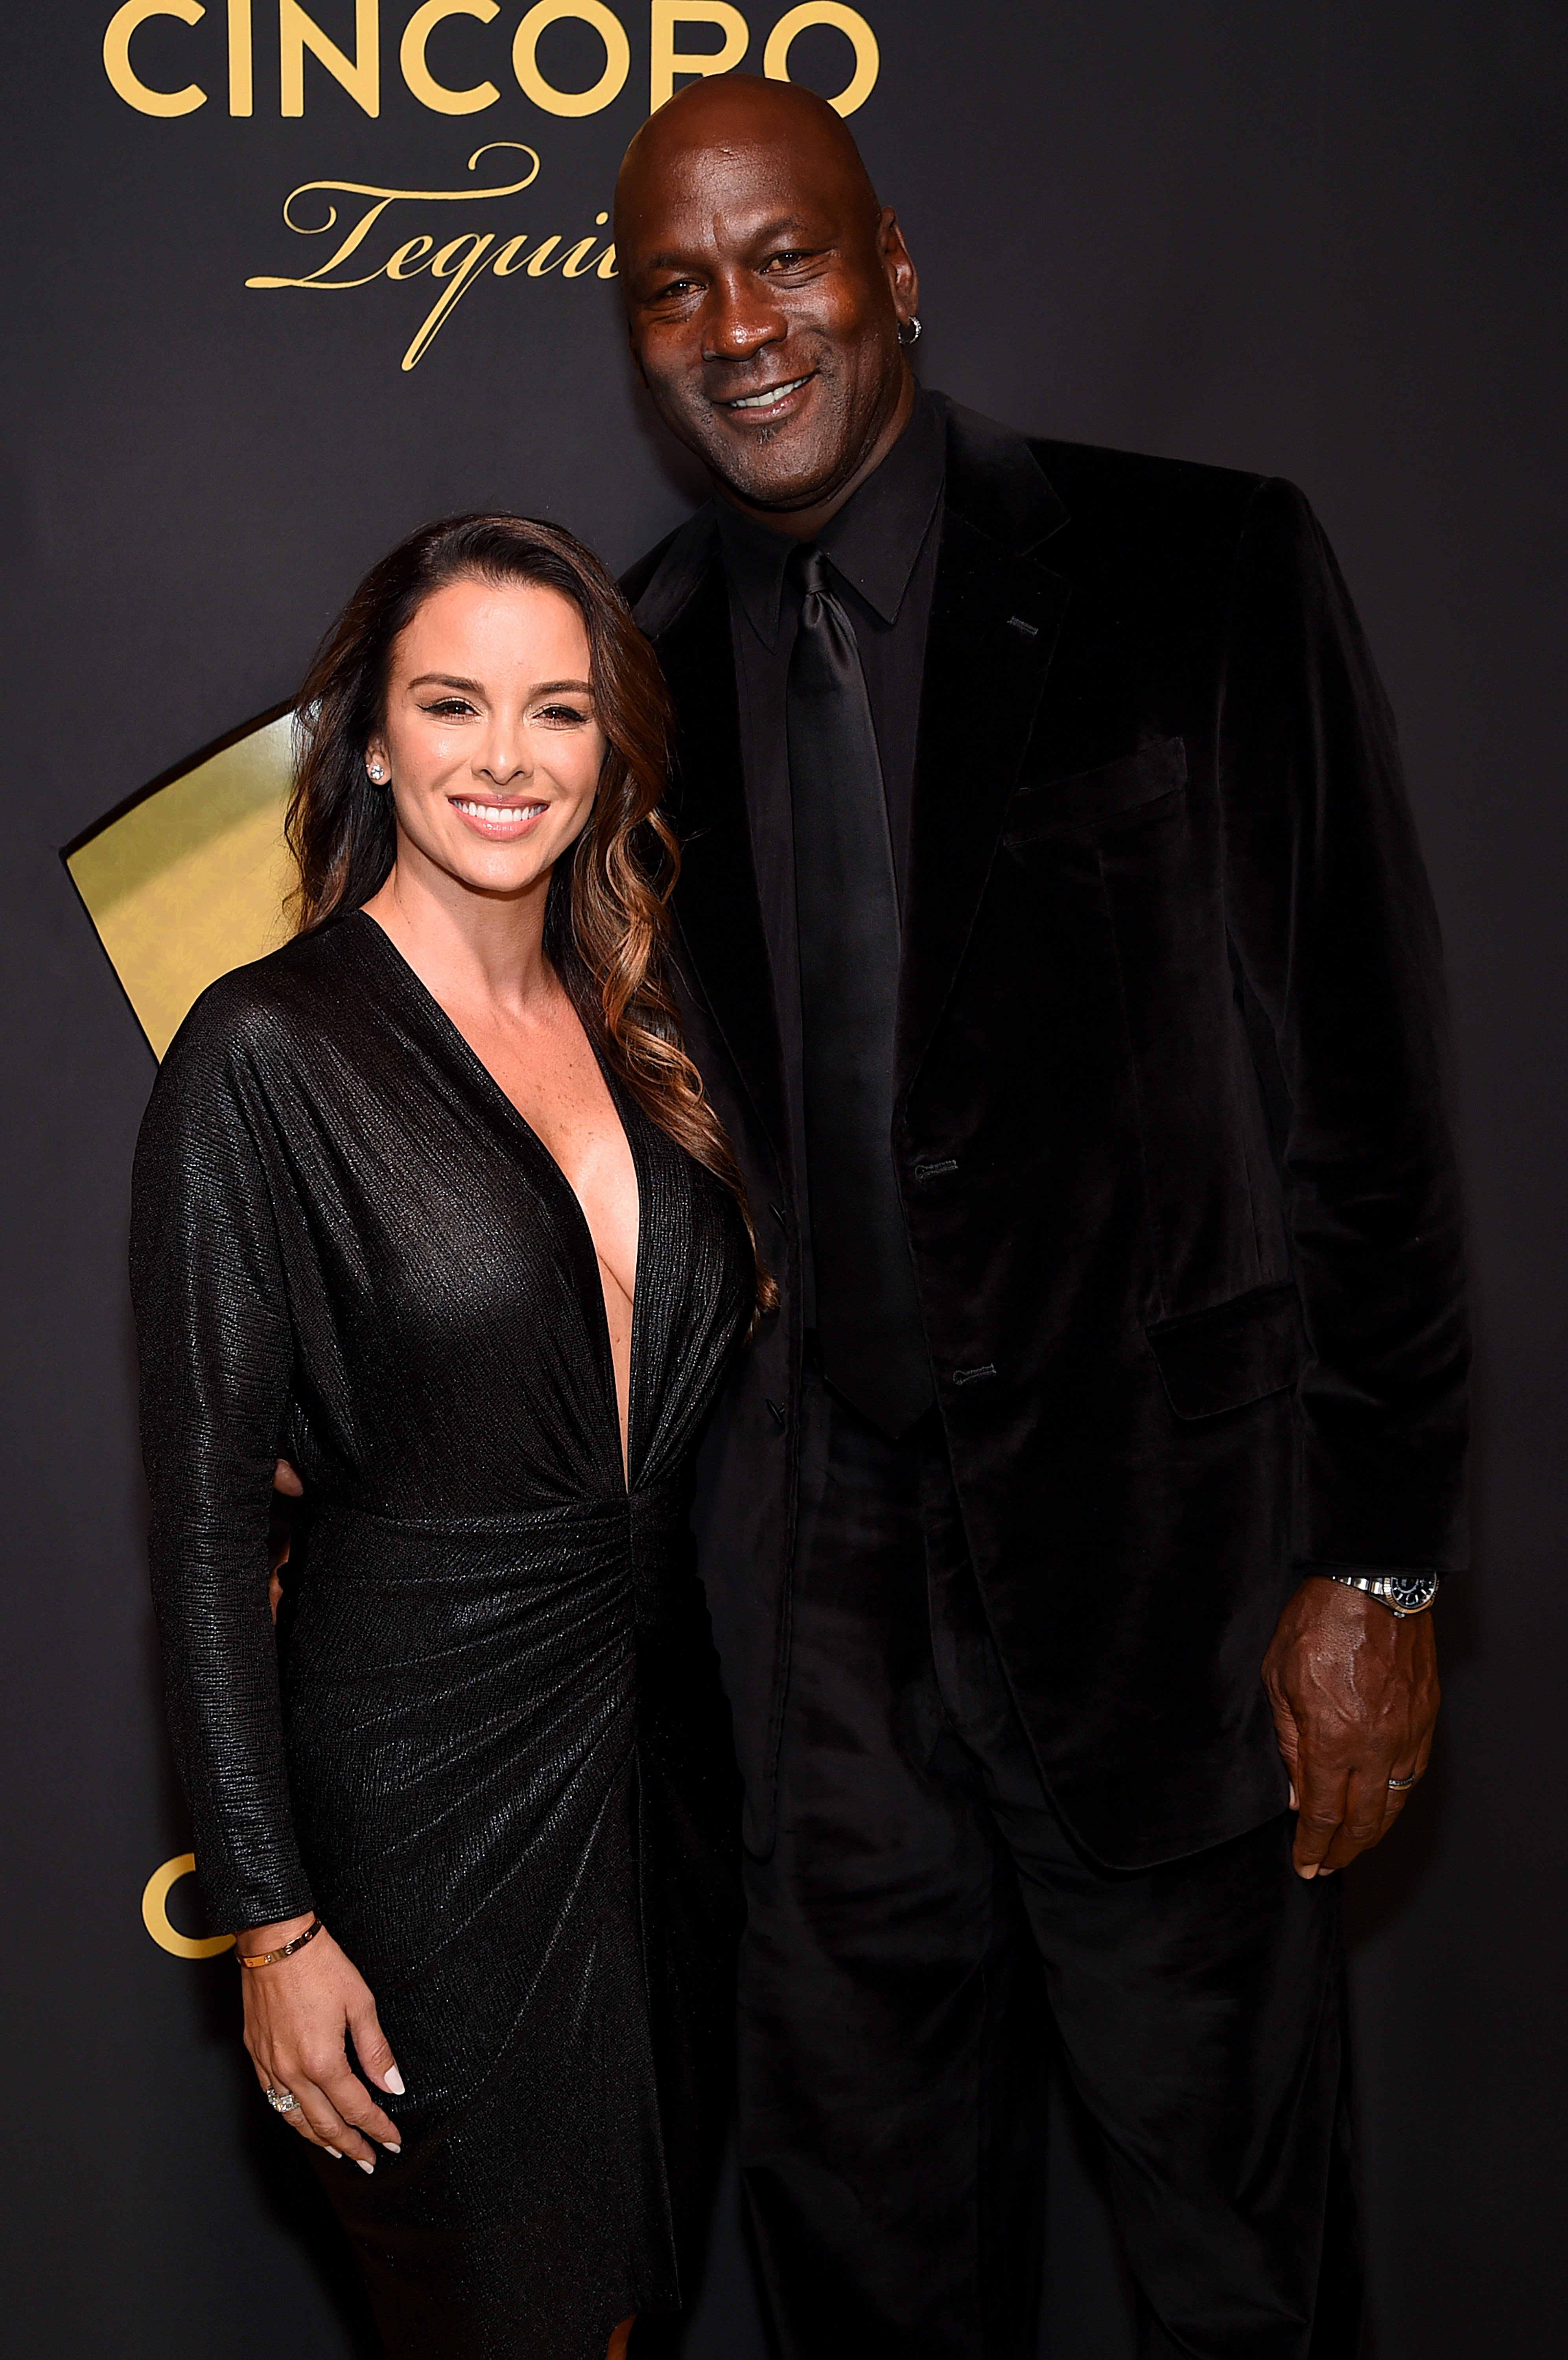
(608, 910)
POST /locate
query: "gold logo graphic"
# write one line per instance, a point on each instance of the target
(187, 880)
(155, 1914)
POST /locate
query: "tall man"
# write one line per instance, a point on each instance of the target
(1057, 949)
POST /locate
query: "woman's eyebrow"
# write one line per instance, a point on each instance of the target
(474, 688)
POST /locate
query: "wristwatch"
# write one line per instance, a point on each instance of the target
(1402, 1593)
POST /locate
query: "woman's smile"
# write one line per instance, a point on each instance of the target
(501, 822)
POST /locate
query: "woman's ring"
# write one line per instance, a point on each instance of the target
(282, 2102)
(1399, 1785)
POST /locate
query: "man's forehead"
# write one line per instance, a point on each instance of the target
(683, 192)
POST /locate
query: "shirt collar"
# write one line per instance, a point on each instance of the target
(872, 542)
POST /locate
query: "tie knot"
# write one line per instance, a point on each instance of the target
(808, 567)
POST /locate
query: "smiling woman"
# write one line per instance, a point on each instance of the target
(590, 745)
(430, 1205)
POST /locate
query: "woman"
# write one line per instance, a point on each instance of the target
(430, 1203)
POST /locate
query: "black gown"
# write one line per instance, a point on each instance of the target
(487, 1742)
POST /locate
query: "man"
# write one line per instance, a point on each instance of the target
(1056, 950)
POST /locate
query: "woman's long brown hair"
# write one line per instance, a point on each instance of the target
(607, 914)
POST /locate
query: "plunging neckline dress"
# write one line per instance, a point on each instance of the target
(487, 1742)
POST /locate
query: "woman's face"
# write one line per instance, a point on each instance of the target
(490, 740)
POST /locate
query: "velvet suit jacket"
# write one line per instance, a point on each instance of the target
(1170, 1127)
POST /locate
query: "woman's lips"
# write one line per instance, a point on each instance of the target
(497, 823)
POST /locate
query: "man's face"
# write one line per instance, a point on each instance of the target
(765, 298)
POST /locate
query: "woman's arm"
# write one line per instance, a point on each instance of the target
(216, 1350)
(210, 1292)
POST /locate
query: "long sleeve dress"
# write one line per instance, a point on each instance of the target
(487, 1742)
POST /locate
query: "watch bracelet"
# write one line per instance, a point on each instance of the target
(1379, 1586)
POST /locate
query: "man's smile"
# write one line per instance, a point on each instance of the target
(772, 399)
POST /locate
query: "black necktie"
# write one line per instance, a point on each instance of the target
(868, 1323)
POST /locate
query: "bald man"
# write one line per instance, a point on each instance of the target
(1056, 948)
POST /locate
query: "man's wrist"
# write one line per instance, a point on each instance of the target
(1403, 1589)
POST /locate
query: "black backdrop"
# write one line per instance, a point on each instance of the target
(1322, 237)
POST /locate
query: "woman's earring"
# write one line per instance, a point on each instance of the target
(909, 332)
(376, 773)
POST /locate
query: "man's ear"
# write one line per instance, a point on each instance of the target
(902, 275)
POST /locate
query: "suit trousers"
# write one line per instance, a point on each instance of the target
(893, 2040)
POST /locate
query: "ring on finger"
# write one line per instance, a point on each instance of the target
(1401, 1786)
(282, 2102)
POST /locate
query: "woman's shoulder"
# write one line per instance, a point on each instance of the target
(259, 1018)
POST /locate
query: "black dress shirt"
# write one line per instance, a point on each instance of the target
(882, 546)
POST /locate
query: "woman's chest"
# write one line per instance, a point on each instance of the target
(446, 1285)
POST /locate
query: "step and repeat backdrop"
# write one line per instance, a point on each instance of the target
(283, 281)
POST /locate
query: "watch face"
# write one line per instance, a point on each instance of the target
(1410, 1591)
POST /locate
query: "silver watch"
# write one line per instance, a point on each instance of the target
(1402, 1593)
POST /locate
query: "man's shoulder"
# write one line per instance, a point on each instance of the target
(1098, 471)
(660, 584)
(1137, 493)
(1126, 495)
(639, 574)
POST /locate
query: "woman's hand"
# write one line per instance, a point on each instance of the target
(298, 2015)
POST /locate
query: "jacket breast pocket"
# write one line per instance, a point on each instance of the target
(1233, 1353)
(1050, 808)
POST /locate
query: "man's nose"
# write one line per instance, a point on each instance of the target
(741, 320)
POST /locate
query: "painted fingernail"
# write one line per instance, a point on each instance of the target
(364, 2163)
(391, 2147)
(392, 2080)
(336, 2152)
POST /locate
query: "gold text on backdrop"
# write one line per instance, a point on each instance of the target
(359, 74)
(460, 261)
(416, 67)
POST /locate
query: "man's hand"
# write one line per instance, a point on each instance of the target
(288, 1485)
(1354, 1690)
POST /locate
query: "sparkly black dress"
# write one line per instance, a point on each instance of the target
(488, 1743)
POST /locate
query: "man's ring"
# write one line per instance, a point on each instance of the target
(1399, 1785)
(282, 2102)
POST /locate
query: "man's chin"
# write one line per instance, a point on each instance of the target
(775, 478)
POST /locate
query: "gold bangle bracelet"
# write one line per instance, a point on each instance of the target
(270, 1958)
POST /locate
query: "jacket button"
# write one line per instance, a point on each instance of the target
(778, 1413)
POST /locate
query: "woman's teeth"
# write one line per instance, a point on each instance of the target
(498, 814)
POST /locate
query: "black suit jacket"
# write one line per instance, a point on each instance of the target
(1170, 1125)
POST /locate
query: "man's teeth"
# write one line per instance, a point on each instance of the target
(494, 812)
(766, 400)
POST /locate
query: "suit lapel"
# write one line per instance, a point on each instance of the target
(996, 614)
(718, 912)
